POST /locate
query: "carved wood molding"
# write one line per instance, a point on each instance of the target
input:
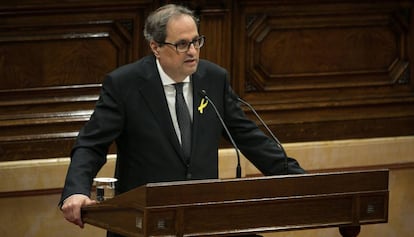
(53, 57)
(318, 70)
(308, 51)
(314, 70)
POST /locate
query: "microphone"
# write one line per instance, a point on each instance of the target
(268, 130)
(238, 168)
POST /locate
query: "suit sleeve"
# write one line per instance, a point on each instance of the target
(260, 149)
(90, 150)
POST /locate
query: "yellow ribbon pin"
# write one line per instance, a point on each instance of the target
(202, 105)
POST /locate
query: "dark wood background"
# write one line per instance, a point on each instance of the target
(315, 70)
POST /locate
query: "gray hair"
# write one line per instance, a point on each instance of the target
(156, 23)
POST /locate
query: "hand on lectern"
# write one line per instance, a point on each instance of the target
(72, 205)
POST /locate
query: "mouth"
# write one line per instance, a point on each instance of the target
(191, 61)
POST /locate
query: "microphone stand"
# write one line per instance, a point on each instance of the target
(268, 130)
(238, 168)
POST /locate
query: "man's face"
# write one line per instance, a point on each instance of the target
(178, 65)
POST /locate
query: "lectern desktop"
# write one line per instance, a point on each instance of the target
(247, 205)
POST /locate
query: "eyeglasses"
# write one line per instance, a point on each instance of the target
(183, 46)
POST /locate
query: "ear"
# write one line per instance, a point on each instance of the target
(155, 48)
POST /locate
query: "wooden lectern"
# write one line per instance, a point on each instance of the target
(247, 205)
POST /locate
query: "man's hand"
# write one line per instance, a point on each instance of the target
(71, 208)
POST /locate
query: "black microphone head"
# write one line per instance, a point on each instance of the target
(203, 93)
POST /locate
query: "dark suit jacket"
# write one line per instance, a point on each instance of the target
(132, 110)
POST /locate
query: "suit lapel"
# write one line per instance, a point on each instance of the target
(153, 93)
(199, 84)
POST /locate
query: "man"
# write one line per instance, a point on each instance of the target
(137, 110)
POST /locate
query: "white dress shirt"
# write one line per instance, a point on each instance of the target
(169, 90)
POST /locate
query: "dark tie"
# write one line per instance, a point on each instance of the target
(184, 120)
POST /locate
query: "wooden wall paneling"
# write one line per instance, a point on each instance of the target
(52, 61)
(315, 70)
(309, 65)
(215, 24)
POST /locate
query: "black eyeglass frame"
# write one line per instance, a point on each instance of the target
(199, 40)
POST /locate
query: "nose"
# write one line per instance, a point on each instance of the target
(192, 49)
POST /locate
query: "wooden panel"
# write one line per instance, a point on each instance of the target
(215, 25)
(53, 58)
(311, 66)
(315, 70)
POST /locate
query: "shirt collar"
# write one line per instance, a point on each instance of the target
(167, 80)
